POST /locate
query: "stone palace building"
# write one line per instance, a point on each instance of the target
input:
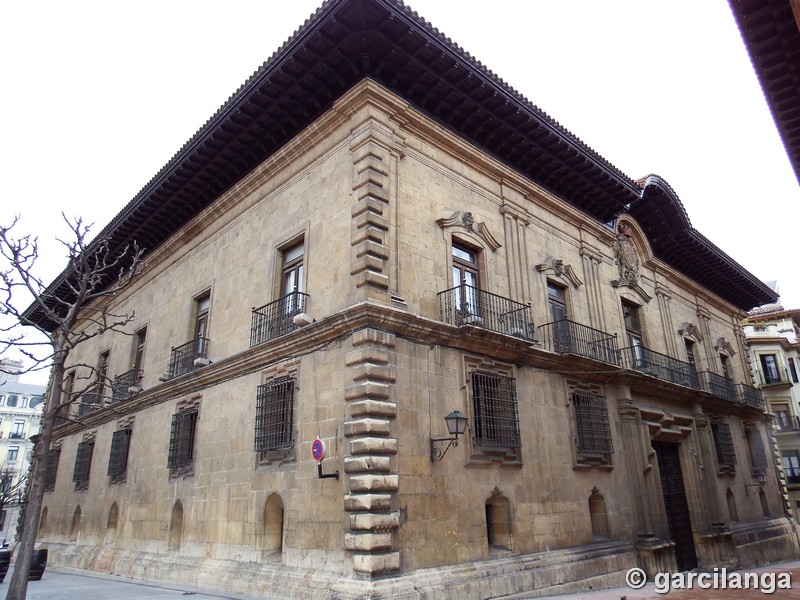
(374, 233)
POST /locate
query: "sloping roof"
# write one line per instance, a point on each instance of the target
(771, 35)
(346, 41)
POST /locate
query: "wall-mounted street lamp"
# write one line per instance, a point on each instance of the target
(456, 425)
(761, 479)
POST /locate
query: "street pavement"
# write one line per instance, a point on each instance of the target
(59, 583)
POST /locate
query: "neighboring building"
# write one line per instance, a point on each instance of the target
(20, 412)
(771, 334)
(420, 241)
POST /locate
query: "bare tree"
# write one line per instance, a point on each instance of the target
(77, 307)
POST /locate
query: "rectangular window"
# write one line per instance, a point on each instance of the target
(274, 410)
(726, 455)
(793, 370)
(758, 456)
(633, 332)
(13, 454)
(726, 369)
(791, 466)
(292, 270)
(592, 427)
(52, 469)
(139, 339)
(181, 441)
(118, 459)
(102, 375)
(83, 465)
(202, 305)
(466, 280)
(769, 368)
(18, 432)
(494, 407)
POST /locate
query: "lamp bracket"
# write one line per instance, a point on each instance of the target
(436, 452)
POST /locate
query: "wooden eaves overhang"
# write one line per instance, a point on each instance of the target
(770, 32)
(346, 41)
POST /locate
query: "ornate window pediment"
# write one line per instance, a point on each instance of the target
(560, 270)
(466, 221)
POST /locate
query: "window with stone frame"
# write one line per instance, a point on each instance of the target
(755, 445)
(494, 410)
(83, 465)
(118, 458)
(593, 442)
(274, 417)
(52, 469)
(182, 441)
(723, 442)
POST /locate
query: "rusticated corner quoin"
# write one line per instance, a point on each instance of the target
(370, 216)
(372, 479)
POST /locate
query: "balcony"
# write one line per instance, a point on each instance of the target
(91, 401)
(785, 423)
(187, 358)
(121, 388)
(276, 318)
(468, 305)
(720, 386)
(569, 337)
(792, 475)
(778, 377)
(660, 366)
(750, 396)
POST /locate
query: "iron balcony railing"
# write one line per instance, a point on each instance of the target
(90, 401)
(660, 366)
(468, 305)
(121, 388)
(792, 475)
(779, 378)
(786, 422)
(720, 386)
(276, 318)
(569, 337)
(750, 396)
(184, 358)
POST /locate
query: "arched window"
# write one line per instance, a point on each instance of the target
(733, 514)
(76, 525)
(498, 522)
(42, 523)
(111, 524)
(598, 515)
(272, 541)
(176, 526)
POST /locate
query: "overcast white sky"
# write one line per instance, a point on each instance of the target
(98, 96)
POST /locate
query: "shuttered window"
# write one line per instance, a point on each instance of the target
(591, 423)
(758, 455)
(118, 459)
(83, 465)
(274, 414)
(726, 455)
(181, 440)
(52, 469)
(494, 407)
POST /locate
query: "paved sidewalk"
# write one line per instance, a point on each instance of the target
(650, 592)
(59, 583)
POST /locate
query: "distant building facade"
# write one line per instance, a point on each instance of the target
(20, 414)
(771, 334)
(374, 233)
